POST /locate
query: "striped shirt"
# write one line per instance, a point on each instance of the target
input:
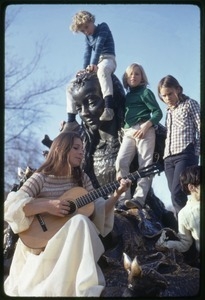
(101, 43)
(49, 186)
(183, 127)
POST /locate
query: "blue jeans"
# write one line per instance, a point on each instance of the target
(174, 165)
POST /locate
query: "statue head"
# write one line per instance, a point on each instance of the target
(88, 98)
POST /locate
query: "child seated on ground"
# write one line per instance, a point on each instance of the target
(189, 215)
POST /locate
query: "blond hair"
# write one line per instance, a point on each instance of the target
(127, 72)
(81, 18)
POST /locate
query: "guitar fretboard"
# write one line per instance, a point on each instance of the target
(103, 191)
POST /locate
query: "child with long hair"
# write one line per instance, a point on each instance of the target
(182, 144)
(142, 113)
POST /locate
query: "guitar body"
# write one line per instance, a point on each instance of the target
(34, 237)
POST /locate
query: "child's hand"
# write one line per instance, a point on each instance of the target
(141, 132)
(92, 68)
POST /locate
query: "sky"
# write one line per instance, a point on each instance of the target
(163, 38)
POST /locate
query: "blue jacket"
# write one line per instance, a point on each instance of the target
(101, 42)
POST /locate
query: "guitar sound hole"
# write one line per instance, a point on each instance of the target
(72, 207)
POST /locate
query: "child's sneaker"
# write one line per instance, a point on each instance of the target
(107, 114)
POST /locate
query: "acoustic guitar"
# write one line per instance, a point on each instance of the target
(45, 226)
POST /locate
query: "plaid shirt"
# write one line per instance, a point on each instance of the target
(183, 127)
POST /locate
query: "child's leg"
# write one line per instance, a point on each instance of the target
(71, 123)
(145, 149)
(70, 103)
(124, 158)
(105, 69)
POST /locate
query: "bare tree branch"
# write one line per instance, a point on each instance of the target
(26, 100)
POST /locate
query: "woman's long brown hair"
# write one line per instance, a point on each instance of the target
(57, 158)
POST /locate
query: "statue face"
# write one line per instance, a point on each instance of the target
(90, 109)
(89, 104)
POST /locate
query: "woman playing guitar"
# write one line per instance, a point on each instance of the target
(59, 244)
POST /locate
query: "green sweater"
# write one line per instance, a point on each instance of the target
(141, 106)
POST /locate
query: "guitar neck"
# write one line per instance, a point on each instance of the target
(103, 191)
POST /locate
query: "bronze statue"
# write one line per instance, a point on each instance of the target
(101, 138)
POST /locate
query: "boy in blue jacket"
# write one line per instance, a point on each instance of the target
(99, 56)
